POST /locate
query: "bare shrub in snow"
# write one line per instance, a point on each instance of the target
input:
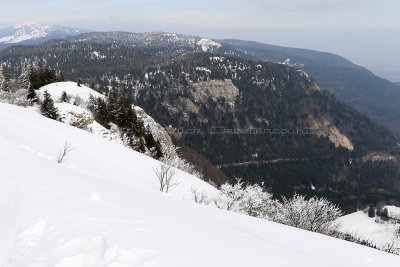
(200, 197)
(391, 248)
(166, 176)
(315, 214)
(63, 153)
(171, 157)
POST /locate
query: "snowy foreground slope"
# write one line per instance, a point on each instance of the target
(375, 230)
(102, 207)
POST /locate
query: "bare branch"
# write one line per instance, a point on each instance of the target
(166, 177)
(61, 156)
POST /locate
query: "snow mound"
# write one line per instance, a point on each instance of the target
(71, 88)
(102, 207)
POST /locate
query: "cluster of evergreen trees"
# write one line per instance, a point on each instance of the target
(35, 76)
(119, 111)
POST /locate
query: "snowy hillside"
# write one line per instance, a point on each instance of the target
(71, 88)
(376, 230)
(78, 115)
(103, 207)
(31, 32)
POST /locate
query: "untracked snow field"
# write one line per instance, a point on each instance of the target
(103, 207)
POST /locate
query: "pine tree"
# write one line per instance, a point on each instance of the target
(4, 80)
(32, 98)
(24, 79)
(47, 107)
(371, 211)
(64, 97)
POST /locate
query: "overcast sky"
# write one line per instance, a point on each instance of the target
(364, 31)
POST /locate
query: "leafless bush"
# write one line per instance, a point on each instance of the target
(61, 156)
(166, 176)
(200, 197)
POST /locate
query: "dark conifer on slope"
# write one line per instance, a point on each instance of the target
(47, 107)
(371, 211)
(4, 80)
(31, 96)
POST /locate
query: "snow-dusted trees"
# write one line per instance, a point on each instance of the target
(230, 196)
(166, 176)
(315, 214)
(252, 200)
(5, 80)
(24, 79)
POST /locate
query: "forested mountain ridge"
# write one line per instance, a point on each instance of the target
(356, 86)
(322, 147)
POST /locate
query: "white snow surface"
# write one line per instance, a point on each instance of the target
(103, 207)
(380, 233)
(207, 44)
(71, 88)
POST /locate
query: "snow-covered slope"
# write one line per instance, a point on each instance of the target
(103, 207)
(26, 33)
(377, 231)
(71, 88)
(81, 117)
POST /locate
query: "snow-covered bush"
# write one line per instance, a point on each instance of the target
(230, 196)
(200, 197)
(18, 97)
(252, 200)
(315, 214)
(257, 202)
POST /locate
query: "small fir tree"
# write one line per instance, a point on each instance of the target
(31, 96)
(371, 211)
(4, 80)
(47, 107)
(64, 97)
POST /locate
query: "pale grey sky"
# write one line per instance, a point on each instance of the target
(364, 31)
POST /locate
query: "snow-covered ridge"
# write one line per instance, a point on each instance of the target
(102, 207)
(31, 31)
